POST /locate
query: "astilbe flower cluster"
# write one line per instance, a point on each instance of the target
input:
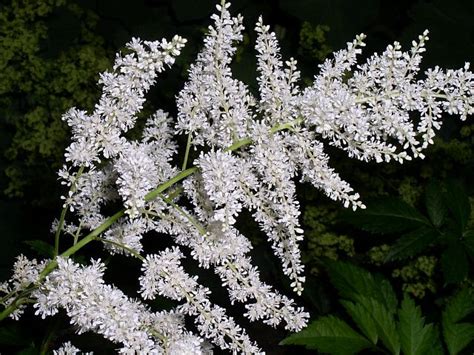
(253, 149)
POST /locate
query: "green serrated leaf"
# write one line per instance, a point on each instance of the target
(41, 247)
(435, 204)
(458, 335)
(454, 263)
(412, 243)
(362, 319)
(458, 203)
(352, 281)
(329, 335)
(459, 307)
(384, 322)
(387, 294)
(388, 215)
(416, 338)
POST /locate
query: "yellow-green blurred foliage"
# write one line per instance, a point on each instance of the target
(50, 58)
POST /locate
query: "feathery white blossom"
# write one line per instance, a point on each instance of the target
(25, 274)
(220, 174)
(213, 106)
(277, 85)
(95, 306)
(163, 275)
(226, 250)
(68, 349)
(123, 96)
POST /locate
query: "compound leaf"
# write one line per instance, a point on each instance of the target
(329, 335)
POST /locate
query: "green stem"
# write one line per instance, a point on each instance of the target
(8, 296)
(58, 231)
(84, 241)
(238, 144)
(193, 221)
(124, 247)
(274, 129)
(53, 263)
(186, 153)
(288, 125)
(12, 307)
(175, 193)
(112, 219)
(78, 232)
(62, 217)
(50, 337)
(182, 175)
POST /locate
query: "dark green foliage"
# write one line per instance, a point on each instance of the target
(353, 282)
(458, 334)
(384, 324)
(313, 41)
(388, 215)
(327, 331)
(322, 240)
(13, 335)
(416, 336)
(444, 229)
(371, 299)
(412, 243)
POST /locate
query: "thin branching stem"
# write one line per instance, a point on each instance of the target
(112, 219)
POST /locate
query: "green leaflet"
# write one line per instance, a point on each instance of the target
(41, 247)
(445, 231)
(352, 281)
(362, 319)
(330, 335)
(416, 338)
(458, 335)
(435, 204)
(458, 203)
(372, 295)
(333, 335)
(384, 322)
(459, 307)
(372, 305)
(412, 243)
(388, 215)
